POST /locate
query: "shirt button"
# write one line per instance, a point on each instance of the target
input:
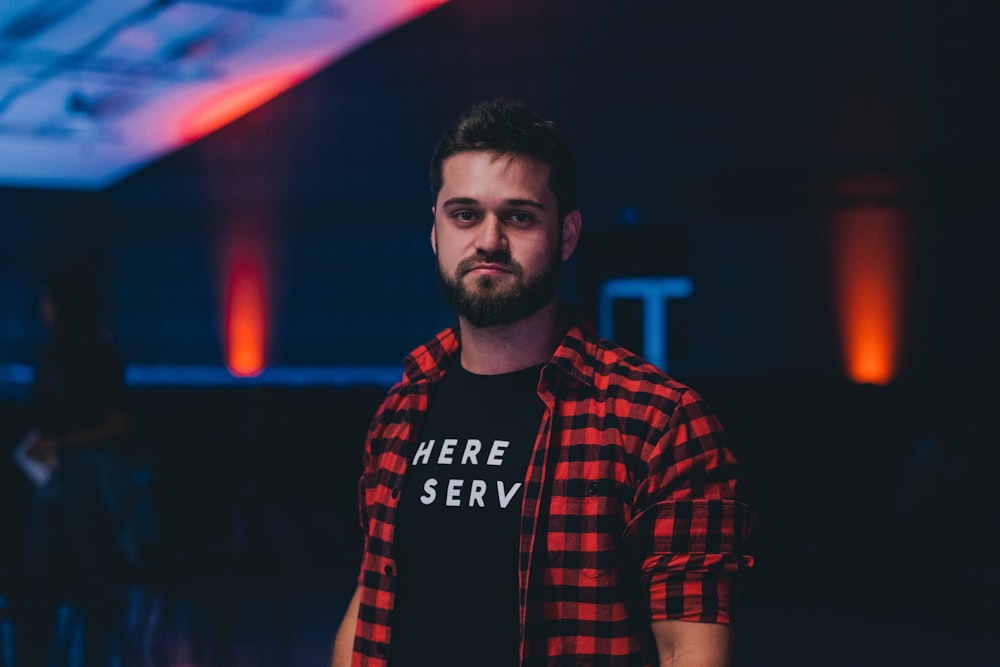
(388, 570)
(592, 489)
(395, 493)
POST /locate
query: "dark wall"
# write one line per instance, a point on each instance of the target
(714, 138)
(724, 129)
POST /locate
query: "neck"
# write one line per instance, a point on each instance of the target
(512, 347)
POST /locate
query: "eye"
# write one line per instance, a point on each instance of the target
(520, 219)
(464, 216)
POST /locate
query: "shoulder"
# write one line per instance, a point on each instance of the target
(627, 393)
(617, 372)
(619, 397)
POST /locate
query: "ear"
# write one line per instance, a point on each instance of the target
(434, 244)
(570, 233)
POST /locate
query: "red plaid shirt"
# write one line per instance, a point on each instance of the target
(629, 511)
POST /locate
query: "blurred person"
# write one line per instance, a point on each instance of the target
(80, 423)
(532, 493)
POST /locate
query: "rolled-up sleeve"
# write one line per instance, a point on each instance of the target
(688, 571)
(690, 528)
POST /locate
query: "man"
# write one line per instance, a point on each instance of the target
(532, 493)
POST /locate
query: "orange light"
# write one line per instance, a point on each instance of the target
(869, 251)
(235, 101)
(246, 319)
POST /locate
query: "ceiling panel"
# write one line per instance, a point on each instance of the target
(91, 90)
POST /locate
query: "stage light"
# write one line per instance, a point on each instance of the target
(246, 318)
(869, 247)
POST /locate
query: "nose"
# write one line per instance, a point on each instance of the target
(491, 235)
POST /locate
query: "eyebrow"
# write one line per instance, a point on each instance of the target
(469, 201)
(525, 202)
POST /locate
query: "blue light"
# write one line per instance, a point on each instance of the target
(654, 292)
(629, 215)
(139, 375)
(16, 374)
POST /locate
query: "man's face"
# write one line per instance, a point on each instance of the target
(498, 237)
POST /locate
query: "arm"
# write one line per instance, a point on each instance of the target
(689, 644)
(696, 525)
(343, 645)
(45, 447)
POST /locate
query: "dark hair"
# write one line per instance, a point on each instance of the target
(509, 128)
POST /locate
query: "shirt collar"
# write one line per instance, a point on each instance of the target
(576, 356)
(427, 362)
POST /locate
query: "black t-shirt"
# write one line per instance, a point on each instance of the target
(458, 524)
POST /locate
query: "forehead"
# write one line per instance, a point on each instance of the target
(483, 174)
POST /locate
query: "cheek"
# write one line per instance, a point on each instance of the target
(447, 258)
(447, 244)
(540, 256)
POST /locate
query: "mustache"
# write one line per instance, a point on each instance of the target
(499, 257)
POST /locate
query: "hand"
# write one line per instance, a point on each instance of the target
(44, 449)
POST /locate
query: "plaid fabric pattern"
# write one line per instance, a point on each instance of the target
(629, 511)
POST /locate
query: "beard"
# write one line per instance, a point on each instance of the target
(490, 302)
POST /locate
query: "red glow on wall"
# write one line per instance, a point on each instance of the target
(235, 101)
(421, 6)
(246, 318)
(869, 248)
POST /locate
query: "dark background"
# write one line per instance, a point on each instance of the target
(713, 141)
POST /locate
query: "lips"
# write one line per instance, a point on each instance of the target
(489, 268)
(483, 266)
